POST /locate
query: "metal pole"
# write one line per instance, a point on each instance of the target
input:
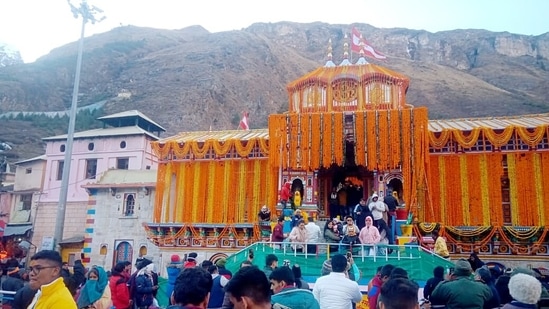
(62, 206)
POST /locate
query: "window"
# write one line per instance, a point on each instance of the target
(91, 146)
(62, 148)
(60, 165)
(122, 163)
(129, 204)
(123, 144)
(26, 201)
(91, 168)
(28, 170)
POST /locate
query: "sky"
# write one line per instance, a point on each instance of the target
(35, 27)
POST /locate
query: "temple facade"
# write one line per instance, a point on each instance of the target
(481, 182)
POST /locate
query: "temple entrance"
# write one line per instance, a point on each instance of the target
(395, 185)
(350, 183)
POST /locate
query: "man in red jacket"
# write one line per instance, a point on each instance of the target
(285, 194)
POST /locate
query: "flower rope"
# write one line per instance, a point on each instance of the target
(466, 141)
(501, 139)
(532, 138)
(441, 141)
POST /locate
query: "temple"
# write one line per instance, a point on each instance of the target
(482, 182)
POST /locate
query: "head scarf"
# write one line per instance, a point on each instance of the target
(93, 289)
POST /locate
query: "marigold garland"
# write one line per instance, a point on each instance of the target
(371, 138)
(293, 140)
(532, 138)
(339, 138)
(467, 141)
(544, 161)
(483, 199)
(316, 140)
(407, 144)
(326, 129)
(465, 198)
(161, 150)
(180, 150)
(211, 200)
(199, 151)
(441, 141)
(383, 141)
(360, 158)
(469, 232)
(180, 192)
(513, 188)
(538, 189)
(395, 137)
(221, 148)
(304, 147)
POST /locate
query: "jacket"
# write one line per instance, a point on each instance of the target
(336, 291)
(23, 298)
(430, 286)
(54, 295)
(373, 294)
(217, 293)
(295, 298)
(143, 291)
(461, 292)
(369, 235)
(173, 271)
(74, 281)
(331, 237)
(12, 284)
(278, 234)
(120, 294)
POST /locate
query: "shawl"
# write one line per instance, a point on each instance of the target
(93, 289)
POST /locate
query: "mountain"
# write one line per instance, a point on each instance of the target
(9, 55)
(191, 79)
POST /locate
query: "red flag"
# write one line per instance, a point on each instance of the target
(358, 43)
(244, 121)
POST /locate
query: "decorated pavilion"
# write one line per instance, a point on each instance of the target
(482, 182)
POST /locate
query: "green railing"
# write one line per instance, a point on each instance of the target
(418, 262)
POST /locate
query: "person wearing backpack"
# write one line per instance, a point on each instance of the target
(120, 293)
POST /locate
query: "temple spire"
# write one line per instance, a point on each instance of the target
(345, 52)
(362, 59)
(329, 62)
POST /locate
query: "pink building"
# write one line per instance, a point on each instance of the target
(123, 143)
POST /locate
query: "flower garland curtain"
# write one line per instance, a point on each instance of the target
(527, 173)
(204, 191)
(384, 140)
(468, 188)
(459, 186)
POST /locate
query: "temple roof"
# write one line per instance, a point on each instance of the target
(130, 118)
(107, 132)
(496, 123)
(362, 71)
(201, 136)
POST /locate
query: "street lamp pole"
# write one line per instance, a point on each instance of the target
(87, 14)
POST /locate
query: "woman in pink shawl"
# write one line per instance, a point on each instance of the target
(369, 235)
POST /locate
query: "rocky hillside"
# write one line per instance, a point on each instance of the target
(191, 79)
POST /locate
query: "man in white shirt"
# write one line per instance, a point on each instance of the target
(314, 235)
(336, 290)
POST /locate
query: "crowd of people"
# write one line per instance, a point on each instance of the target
(368, 223)
(469, 284)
